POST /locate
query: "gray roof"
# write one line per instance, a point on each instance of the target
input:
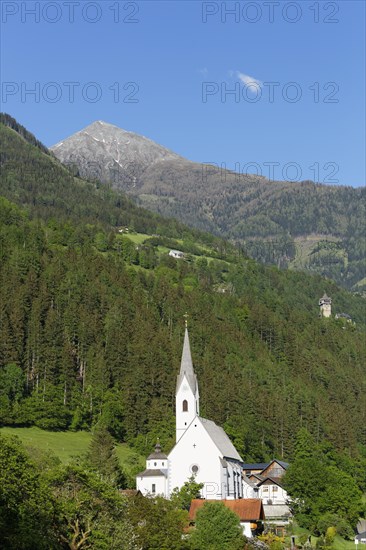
(326, 299)
(250, 482)
(275, 480)
(256, 466)
(221, 440)
(343, 316)
(284, 465)
(276, 510)
(151, 473)
(158, 454)
(263, 465)
(186, 366)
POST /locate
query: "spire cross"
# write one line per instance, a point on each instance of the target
(186, 319)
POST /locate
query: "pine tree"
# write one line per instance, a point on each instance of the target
(103, 459)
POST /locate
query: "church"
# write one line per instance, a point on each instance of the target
(202, 448)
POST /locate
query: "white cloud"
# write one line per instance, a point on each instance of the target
(250, 81)
(203, 71)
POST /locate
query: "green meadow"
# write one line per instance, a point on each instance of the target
(66, 445)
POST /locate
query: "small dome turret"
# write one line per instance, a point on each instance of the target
(157, 454)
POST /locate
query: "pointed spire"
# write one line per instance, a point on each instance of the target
(186, 365)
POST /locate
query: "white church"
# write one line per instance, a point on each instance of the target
(202, 448)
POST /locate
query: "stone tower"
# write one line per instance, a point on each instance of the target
(325, 304)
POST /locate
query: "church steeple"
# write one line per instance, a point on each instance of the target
(186, 365)
(187, 395)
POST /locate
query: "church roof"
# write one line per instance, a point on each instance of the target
(186, 366)
(221, 439)
(151, 473)
(248, 509)
(158, 454)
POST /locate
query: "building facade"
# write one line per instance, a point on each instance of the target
(202, 448)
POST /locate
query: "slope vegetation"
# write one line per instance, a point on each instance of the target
(272, 219)
(91, 324)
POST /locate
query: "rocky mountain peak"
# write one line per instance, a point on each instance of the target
(105, 152)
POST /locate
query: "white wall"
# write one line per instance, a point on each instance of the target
(145, 485)
(184, 419)
(157, 464)
(273, 492)
(196, 447)
(246, 529)
(248, 490)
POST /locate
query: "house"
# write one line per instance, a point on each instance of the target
(176, 254)
(249, 510)
(275, 468)
(271, 491)
(266, 485)
(275, 504)
(202, 448)
(254, 468)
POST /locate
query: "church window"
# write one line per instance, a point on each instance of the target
(155, 463)
(153, 488)
(185, 405)
(162, 463)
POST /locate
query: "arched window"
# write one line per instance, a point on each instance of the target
(185, 405)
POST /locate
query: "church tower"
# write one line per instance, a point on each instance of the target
(187, 395)
(325, 304)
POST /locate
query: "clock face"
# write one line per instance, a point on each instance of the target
(185, 387)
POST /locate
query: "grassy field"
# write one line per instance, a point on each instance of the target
(66, 445)
(338, 543)
(137, 238)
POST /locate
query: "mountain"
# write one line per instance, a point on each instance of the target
(109, 154)
(302, 225)
(34, 179)
(91, 322)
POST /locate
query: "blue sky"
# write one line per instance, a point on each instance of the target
(295, 71)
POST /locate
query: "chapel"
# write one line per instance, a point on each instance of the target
(202, 448)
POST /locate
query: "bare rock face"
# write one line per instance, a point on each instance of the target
(109, 154)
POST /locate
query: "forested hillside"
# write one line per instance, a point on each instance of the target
(297, 224)
(84, 333)
(91, 324)
(48, 190)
